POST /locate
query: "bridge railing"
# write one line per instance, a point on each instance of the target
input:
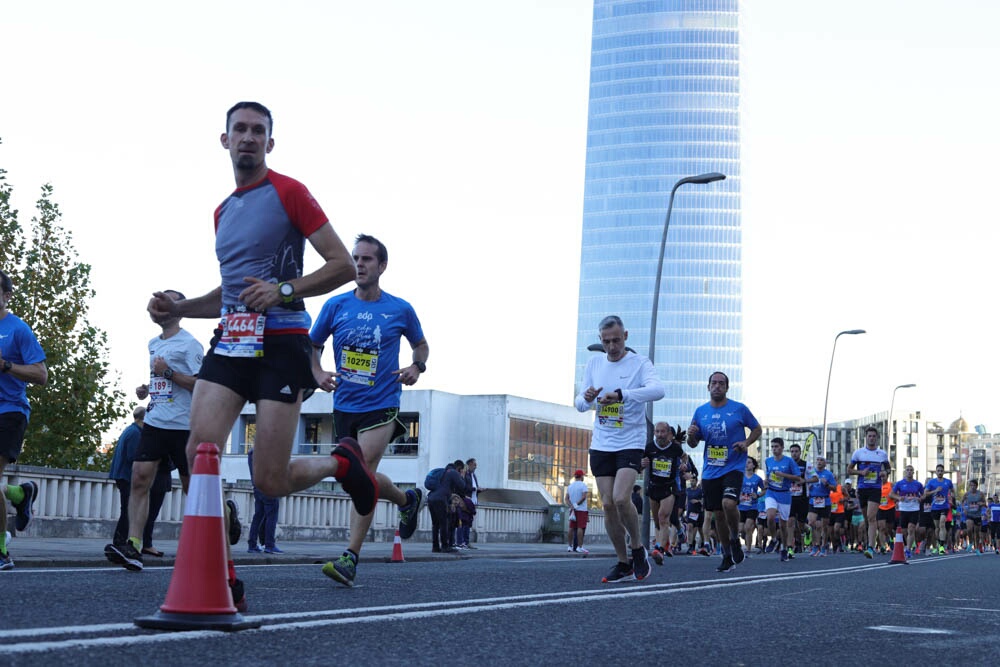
(79, 503)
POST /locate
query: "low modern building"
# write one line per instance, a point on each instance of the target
(527, 450)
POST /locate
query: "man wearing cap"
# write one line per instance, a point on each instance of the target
(576, 498)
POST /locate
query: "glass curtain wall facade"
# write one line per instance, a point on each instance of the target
(664, 104)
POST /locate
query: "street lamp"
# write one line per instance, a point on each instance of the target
(826, 401)
(700, 179)
(888, 421)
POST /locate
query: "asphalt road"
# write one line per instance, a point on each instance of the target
(844, 609)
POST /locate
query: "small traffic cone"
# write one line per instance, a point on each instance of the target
(898, 550)
(199, 597)
(397, 549)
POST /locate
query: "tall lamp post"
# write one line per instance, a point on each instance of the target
(892, 404)
(700, 179)
(826, 401)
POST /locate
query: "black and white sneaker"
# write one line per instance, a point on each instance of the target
(727, 565)
(408, 515)
(24, 507)
(125, 555)
(619, 573)
(738, 554)
(640, 563)
(235, 527)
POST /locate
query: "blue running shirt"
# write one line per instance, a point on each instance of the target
(366, 348)
(721, 428)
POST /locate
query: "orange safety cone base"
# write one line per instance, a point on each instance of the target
(170, 621)
(898, 550)
(397, 550)
(199, 597)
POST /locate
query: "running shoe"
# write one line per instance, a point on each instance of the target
(727, 565)
(791, 554)
(239, 595)
(668, 552)
(619, 573)
(111, 553)
(703, 551)
(737, 549)
(6, 563)
(940, 550)
(869, 553)
(814, 552)
(769, 549)
(253, 548)
(343, 570)
(784, 556)
(579, 550)
(408, 515)
(125, 555)
(640, 563)
(657, 556)
(822, 552)
(907, 554)
(358, 481)
(273, 550)
(235, 528)
(570, 549)
(24, 507)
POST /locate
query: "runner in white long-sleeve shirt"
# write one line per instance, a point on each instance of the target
(617, 386)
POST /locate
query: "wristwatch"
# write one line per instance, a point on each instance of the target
(7, 365)
(287, 292)
(168, 372)
(421, 366)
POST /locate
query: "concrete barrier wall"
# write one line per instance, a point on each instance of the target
(77, 503)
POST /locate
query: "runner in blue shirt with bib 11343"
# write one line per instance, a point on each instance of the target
(722, 423)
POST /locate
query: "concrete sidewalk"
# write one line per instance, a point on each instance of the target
(38, 552)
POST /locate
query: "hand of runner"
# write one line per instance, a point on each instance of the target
(326, 380)
(260, 295)
(161, 307)
(408, 375)
(591, 394)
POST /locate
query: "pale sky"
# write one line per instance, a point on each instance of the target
(455, 131)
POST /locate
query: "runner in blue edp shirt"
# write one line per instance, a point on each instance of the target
(723, 423)
(366, 325)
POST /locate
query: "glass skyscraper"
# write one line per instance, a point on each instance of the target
(664, 104)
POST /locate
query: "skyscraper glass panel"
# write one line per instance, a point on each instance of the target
(664, 104)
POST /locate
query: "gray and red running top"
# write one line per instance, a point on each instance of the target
(260, 231)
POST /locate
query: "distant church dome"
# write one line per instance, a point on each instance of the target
(959, 426)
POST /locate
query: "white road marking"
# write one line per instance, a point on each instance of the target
(902, 629)
(393, 612)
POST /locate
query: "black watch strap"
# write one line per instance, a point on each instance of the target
(421, 366)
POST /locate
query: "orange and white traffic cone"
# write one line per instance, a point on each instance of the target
(898, 549)
(397, 549)
(199, 597)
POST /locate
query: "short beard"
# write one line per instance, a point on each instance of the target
(246, 163)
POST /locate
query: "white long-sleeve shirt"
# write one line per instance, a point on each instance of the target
(620, 425)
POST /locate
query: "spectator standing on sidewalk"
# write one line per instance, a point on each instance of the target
(577, 498)
(438, 501)
(264, 523)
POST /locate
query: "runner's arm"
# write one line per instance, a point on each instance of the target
(162, 307)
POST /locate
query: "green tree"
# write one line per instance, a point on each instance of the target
(52, 294)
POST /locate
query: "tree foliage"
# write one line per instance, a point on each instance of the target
(52, 293)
